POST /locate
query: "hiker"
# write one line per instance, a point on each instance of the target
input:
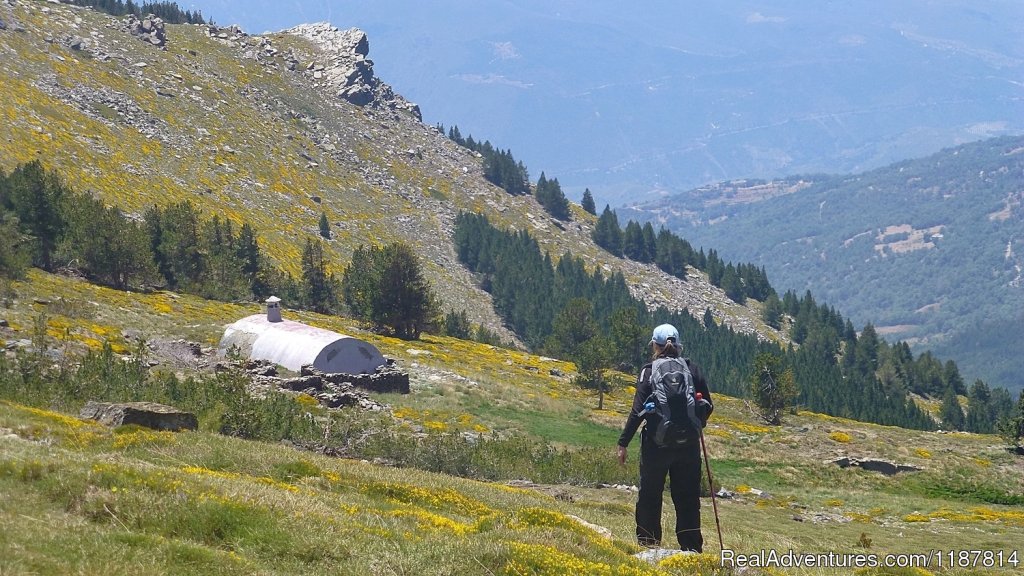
(675, 451)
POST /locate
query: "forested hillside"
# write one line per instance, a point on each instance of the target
(928, 250)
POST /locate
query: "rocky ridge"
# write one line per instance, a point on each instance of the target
(346, 70)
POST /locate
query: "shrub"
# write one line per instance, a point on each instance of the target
(841, 437)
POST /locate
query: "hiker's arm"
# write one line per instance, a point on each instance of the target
(639, 398)
(700, 384)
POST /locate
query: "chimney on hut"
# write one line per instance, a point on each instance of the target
(273, 309)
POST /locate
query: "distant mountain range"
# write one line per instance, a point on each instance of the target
(931, 250)
(632, 102)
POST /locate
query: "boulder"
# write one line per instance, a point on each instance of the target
(656, 555)
(601, 530)
(146, 414)
(149, 30)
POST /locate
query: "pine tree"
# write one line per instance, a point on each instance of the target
(318, 290)
(633, 246)
(407, 302)
(387, 286)
(773, 388)
(247, 252)
(456, 325)
(628, 339)
(1011, 426)
(950, 414)
(772, 312)
(325, 226)
(979, 409)
(650, 242)
(106, 246)
(732, 285)
(607, 234)
(15, 249)
(360, 282)
(174, 233)
(36, 197)
(588, 202)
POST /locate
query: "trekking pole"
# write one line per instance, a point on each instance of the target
(711, 483)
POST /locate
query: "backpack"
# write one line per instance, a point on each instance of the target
(675, 401)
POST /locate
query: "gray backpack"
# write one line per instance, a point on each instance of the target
(675, 401)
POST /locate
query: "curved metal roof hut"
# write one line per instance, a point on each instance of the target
(294, 344)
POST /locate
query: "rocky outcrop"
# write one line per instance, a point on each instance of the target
(147, 414)
(884, 467)
(346, 71)
(332, 390)
(150, 29)
(232, 33)
(386, 378)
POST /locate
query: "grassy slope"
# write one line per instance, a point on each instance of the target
(79, 494)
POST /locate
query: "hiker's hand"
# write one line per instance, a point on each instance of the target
(622, 456)
(704, 409)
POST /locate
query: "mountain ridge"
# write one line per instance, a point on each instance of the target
(936, 239)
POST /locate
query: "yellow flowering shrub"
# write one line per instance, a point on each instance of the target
(444, 499)
(431, 521)
(541, 560)
(841, 437)
(235, 476)
(306, 401)
(692, 563)
(916, 518)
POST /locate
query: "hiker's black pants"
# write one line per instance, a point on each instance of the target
(682, 464)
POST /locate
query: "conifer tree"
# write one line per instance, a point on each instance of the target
(979, 417)
(772, 312)
(456, 325)
(951, 415)
(386, 286)
(15, 252)
(650, 242)
(318, 285)
(407, 302)
(588, 202)
(607, 234)
(549, 194)
(175, 238)
(106, 246)
(325, 226)
(1011, 426)
(628, 339)
(36, 197)
(732, 285)
(633, 246)
(772, 387)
